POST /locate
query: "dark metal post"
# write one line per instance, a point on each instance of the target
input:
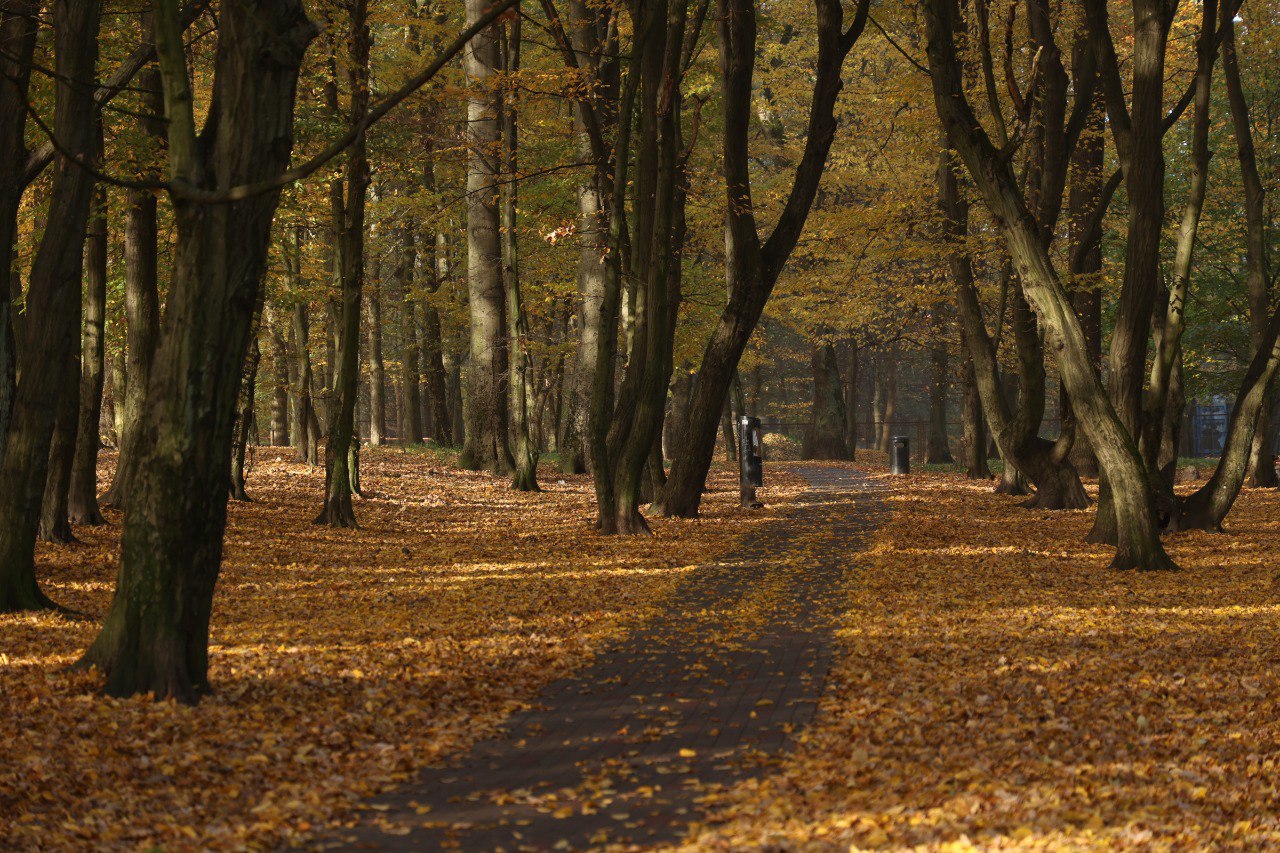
(900, 455)
(750, 460)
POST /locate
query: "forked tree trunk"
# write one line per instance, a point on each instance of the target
(753, 265)
(52, 309)
(155, 637)
(82, 497)
(1138, 543)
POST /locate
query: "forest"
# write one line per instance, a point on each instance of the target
(373, 367)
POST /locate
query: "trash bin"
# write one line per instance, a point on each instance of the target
(900, 455)
(750, 460)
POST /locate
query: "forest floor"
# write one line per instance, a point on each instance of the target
(994, 684)
(342, 660)
(999, 686)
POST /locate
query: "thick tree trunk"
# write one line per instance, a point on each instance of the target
(155, 637)
(825, 438)
(19, 21)
(82, 497)
(52, 310)
(486, 445)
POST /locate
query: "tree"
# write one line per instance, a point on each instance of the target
(53, 310)
(155, 637)
(753, 265)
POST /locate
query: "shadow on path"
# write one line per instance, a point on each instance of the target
(621, 752)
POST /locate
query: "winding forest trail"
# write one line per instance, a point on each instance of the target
(621, 752)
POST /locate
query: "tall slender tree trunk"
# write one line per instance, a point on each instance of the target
(377, 370)
(304, 414)
(82, 498)
(341, 440)
(280, 384)
(525, 477)
(244, 414)
(486, 445)
(850, 400)
(141, 296)
(52, 308)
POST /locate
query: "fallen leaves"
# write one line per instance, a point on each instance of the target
(342, 660)
(1000, 687)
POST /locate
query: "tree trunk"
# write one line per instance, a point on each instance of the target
(244, 416)
(155, 637)
(349, 214)
(1138, 540)
(279, 382)
(410, 404)
(82, 497)
(825, 438)
(753, 265)
(525, 477)
(885, 439)
(974, 427)
(141, 300)
(19, 22)
(305, 419)
(1263, 450)
(851, 401)
(52, 310)
(486, 444)
(55, 523)
(377, 372)
(938, 447)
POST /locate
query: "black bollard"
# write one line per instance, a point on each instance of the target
(750, 460)
(900, 455)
